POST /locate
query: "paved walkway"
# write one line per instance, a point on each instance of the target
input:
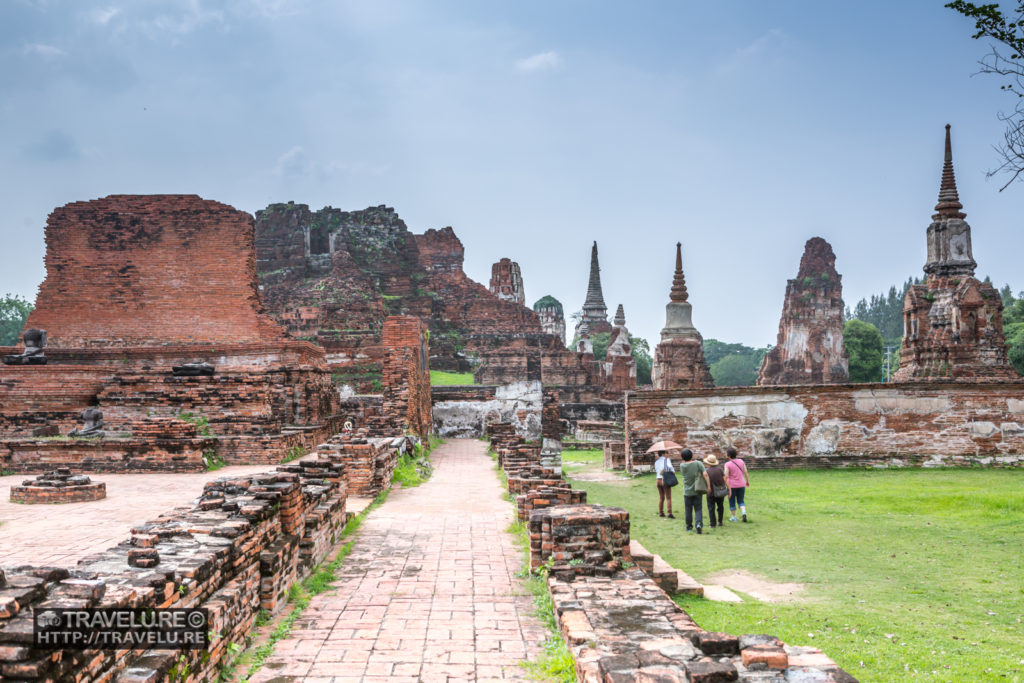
(428, 592)
(60, 535)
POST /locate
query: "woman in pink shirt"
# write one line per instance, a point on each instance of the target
(738, 480)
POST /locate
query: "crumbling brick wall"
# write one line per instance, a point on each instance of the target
(109, 263)
(407, 375)
(239, 549)
(836, 425)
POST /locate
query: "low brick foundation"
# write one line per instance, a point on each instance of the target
(239, 549)
(58, 486)
(624, 627)
(581, 539)
(540, 497)
(368, 463)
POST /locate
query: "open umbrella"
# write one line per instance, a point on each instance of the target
(663, 446)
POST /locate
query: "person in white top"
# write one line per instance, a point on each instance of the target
(661, 465)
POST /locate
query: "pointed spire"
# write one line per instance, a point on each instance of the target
(595, 298)
(620, 317)
(949, 201)
(678, 292)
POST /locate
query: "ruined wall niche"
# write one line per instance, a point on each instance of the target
(809, 348)
(507, 281)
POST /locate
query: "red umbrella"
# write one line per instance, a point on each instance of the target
(663, 446)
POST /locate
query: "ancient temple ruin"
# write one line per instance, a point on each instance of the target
(507, 281)
(333, 276)
(618, 371)
(952, 323)
(153, 316)
(552, 316)
(679, 358)
(595, 313)
(809, 349)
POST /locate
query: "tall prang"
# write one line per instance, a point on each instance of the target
(953, 323)
(679, 358)
(595, 313)
(809, 349)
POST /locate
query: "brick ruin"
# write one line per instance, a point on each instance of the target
(809, 349)
(679, 358)
(913, 423)
(616, 618)
(333, 276)
(552, 317)
(153, 316)
(507, 281)
(618, 371)
(952, 324)
(236, 551)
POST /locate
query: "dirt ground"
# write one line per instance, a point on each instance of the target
(757, 587)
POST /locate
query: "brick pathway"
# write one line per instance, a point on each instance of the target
(60, 535)
(428, 592)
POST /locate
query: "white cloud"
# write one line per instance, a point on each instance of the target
(103, 15)
(44, 51)
(540, 62)
(297, 162)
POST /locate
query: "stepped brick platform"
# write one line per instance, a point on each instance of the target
(58, 486)
(668, 578)
(238, 550)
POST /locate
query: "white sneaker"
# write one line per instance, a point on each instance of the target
(733, 519)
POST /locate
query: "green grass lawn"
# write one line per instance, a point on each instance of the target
(439, 378)
(909, 574)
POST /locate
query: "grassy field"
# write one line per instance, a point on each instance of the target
(909, 574)
(439, 378)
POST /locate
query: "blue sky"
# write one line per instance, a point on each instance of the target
(740, 129)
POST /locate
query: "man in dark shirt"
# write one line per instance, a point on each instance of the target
(692, 470)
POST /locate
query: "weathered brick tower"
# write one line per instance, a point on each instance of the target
(679, 358)
(952, 324)
(809, 349)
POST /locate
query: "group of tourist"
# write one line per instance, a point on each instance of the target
(708, 478)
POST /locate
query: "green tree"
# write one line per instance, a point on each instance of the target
(1013, 328)
(733, 365)
(737, 370)
(1005, 61)
(864, 347)
(644, 362)
(13, 312)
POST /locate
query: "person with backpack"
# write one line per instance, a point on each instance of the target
(695, 485)
(662, 467)
(719, 490)
(738, 479)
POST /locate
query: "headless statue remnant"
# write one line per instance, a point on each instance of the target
(93, 427)
(35, 342)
